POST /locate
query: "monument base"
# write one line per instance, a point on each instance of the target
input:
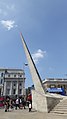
(44, 102)
(39, 102)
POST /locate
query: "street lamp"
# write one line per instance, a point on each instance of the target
(24, 65)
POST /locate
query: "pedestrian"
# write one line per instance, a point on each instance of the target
(20, 103)
(5, 106)
(30, 106)
(8, 104)
(11, 103)
(17, 103)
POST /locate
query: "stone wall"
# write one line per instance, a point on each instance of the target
(51, 102)
(43, 102)
(39, 101)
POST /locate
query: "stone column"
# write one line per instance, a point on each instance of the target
(17, 88)
(23, 87)
(11, 88)
(22, 91)
(4, 93)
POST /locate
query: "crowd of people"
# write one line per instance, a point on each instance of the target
(17, 103)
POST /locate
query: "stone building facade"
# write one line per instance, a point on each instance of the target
(56, 83)
(12, 82)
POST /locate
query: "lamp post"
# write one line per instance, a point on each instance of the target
(4, 86)
(24, 65)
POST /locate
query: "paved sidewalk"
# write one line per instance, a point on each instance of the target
(24, 114)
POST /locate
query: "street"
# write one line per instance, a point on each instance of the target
(25, 114)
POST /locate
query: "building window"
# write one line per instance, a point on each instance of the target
(1, 74)
(1, 81)
(14, 91)
(14, 84)
(20, 91)
(15, 75)
(52, 86)
(20, 84)
(5, 70)
(20, 75)
(8, 75)
(61, 86)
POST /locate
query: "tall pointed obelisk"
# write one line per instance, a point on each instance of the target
(39, 100)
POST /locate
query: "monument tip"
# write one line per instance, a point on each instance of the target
(21, 34)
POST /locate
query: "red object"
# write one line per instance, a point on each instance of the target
(1, 101)
(29, 98)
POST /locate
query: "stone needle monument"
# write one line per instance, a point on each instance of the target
(40, 101)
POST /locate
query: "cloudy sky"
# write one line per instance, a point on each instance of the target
(43, 24)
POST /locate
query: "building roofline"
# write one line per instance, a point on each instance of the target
(14, 69)
(54, 79)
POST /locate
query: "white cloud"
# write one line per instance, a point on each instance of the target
(39, 54)
(8, 24)
(6, 9)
